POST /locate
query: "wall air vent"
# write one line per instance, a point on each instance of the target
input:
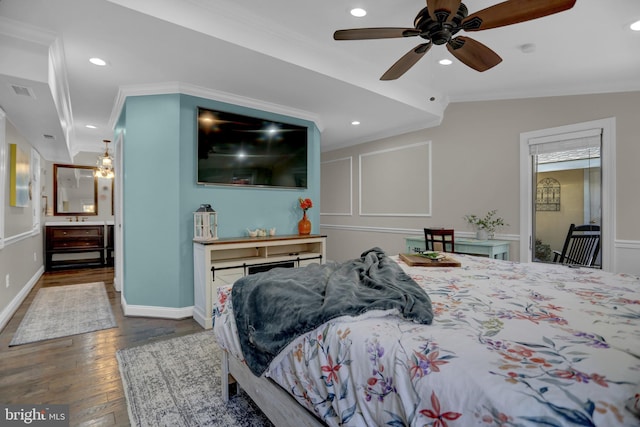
(23, 91)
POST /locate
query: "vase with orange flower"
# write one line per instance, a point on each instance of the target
(304, 225)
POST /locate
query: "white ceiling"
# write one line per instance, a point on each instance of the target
(280, 55)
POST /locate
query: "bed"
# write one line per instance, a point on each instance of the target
(510, 344)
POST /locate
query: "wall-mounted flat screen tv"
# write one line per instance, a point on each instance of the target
(234, 149)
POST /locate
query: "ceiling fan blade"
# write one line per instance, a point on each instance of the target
(513, 12)
(409, 59)
(473, 53)
(375, 33)
(451, 6)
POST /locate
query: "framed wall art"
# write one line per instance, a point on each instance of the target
(19, 175)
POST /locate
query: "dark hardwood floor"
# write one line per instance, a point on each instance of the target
(79, 370)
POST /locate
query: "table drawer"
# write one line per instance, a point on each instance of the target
(75, 232)
(77, 243)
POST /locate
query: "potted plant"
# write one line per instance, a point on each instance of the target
(543, 251)
(485, 226)
(304, 225)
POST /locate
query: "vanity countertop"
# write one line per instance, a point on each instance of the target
(72, 223)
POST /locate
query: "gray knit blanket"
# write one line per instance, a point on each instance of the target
(274, 307)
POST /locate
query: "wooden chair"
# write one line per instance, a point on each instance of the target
(439, 239)
(581, 246)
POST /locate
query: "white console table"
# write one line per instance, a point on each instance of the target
(222, 262)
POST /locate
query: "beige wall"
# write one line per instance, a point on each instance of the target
(475, 168)
(21, 257)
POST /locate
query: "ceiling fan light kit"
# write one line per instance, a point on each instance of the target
(441, 20)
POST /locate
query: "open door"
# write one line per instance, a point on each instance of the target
(567, 180)
(567, 177)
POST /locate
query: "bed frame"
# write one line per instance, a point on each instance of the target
(278, 405)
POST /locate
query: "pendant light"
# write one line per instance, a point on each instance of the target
(105, 163)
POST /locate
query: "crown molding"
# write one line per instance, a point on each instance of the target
(59, 86)
(22, 31)
(201, 92)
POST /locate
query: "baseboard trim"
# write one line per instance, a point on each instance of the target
(153, 311)
(204, 321)
(12, 307)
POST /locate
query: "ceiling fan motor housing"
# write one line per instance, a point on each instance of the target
(440, 31)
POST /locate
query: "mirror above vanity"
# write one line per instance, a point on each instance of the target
(75, 190)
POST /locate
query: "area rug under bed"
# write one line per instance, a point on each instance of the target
(176, 382)
(61, 311)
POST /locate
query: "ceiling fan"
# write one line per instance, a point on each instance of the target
(442, 19)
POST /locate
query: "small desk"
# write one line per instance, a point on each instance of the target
(492, 248)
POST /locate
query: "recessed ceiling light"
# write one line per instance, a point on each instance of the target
(445, 62)
(358, 12)
(635, 26)
(91, 126)
(98, 61)
(355, 123)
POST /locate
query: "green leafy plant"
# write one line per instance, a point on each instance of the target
(543, 251)
(431, 255)
(488, 222)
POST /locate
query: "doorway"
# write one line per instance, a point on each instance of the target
(567, 176)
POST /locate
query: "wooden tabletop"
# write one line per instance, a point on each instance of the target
(416, 260)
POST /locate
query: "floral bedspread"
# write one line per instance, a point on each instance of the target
(511, 345)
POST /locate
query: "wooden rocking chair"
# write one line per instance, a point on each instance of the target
(581, 246)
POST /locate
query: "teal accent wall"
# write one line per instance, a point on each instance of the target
(160, 195)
